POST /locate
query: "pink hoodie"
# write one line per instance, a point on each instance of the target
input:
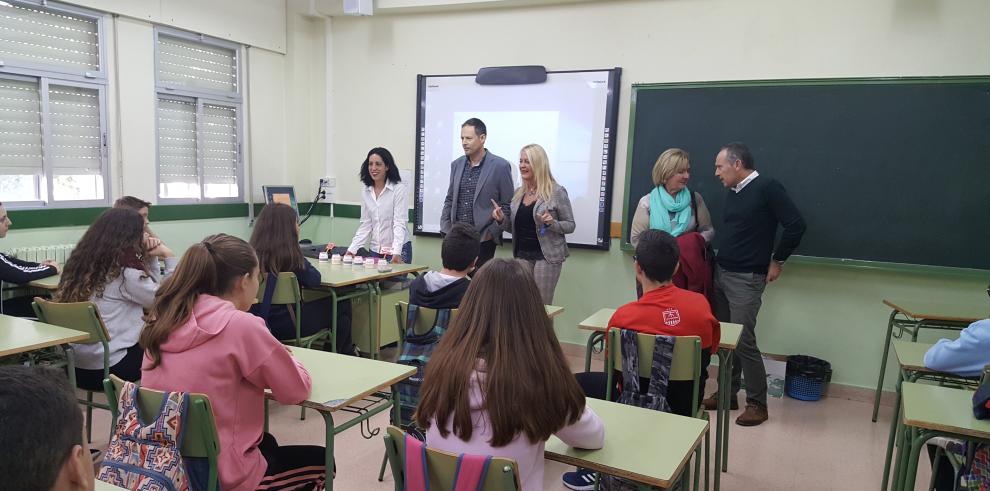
(230, 356)
(588, 432)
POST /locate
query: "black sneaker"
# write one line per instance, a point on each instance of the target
(579, 480)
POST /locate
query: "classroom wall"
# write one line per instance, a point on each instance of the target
(828, 311)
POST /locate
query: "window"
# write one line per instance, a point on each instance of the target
(199, 114)
(53, 139)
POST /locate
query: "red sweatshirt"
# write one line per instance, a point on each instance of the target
(672, 311)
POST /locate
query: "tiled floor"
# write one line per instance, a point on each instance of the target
(826, 445)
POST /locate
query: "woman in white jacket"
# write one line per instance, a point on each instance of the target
(111, 267)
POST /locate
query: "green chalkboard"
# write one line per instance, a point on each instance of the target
(888, 170)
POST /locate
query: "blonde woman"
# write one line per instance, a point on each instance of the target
(671, 206)
(540, 216)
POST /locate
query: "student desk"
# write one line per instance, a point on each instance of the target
(649, 447)
(105, 486)
(19, 335)
(911, 358)
(930, 411)
(911, 316)
(553, 311)
(598, 323)
(339, 381)
(50, 283)
(336, 277)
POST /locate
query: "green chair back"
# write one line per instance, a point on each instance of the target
(199, 439)
(502, 474)
(80, 316)
(685, 364)
(424, 321)
(287, 292)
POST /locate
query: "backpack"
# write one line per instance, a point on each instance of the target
(655, 397)
(145, 457)
(468, 476)
(416, 352)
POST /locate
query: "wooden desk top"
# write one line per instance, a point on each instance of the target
(340, 380)
(911, 355)
(599, 322)
(554, 310)
(19, 335)
(49, 283)
(942, 409)
(105, 486)
(340, 275)
(649, 447)
(921, 310)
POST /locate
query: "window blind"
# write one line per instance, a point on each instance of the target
(35, 36)
(76, 138)
(20, 128)
(189, 65)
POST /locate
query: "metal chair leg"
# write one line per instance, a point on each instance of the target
(381, 473)
(89, 417)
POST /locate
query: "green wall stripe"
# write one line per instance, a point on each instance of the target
(81, 217)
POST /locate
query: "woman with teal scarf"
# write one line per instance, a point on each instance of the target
(668, 206)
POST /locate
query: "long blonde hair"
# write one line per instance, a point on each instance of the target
(541, 172)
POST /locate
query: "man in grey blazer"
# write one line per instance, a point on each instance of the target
(476, 179)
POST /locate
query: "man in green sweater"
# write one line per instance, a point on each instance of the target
(746, 261)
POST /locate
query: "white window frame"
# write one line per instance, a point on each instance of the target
(46, 75)
(201, 96)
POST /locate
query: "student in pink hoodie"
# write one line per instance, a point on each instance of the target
(200, 338)
(498, 383)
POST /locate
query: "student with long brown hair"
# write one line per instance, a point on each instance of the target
(498, 383)
(111, 267)
(276, 241)
(200, 338)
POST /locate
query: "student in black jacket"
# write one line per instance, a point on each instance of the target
(444, 289)
(15, 271)
(755, 206)
(276, 242)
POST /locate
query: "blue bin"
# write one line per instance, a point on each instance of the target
(807, 377)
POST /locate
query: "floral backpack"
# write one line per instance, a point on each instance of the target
(145, 457)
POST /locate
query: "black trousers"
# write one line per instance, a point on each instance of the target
(128, 368)
(292, 466)
(487, 252)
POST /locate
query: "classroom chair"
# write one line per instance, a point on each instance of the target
(685, 365)
(199, 439)
(80, 316)
(425, 322)
(288, 293)
(502, 473)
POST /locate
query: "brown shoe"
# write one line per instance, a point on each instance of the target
(711, 403)
(752, 416)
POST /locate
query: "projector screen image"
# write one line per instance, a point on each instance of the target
(572, 116)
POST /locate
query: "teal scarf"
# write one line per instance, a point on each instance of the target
(662, 204)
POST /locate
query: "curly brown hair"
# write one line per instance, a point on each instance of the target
(113, 242)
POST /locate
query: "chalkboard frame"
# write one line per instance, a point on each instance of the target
(636, 88)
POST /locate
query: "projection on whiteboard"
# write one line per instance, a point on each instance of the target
(572, 116)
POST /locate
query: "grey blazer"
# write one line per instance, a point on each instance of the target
(552, 242)
(494, 183)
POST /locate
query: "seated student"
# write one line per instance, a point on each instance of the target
(111, 268)
(276, 241)
(444, 289)
(502, 347)
(200, 338)
(141, 206)
(965, 356)
(41, 441)
(13, 270)
(663, 309)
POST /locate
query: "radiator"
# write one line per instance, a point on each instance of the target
(58, 253)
